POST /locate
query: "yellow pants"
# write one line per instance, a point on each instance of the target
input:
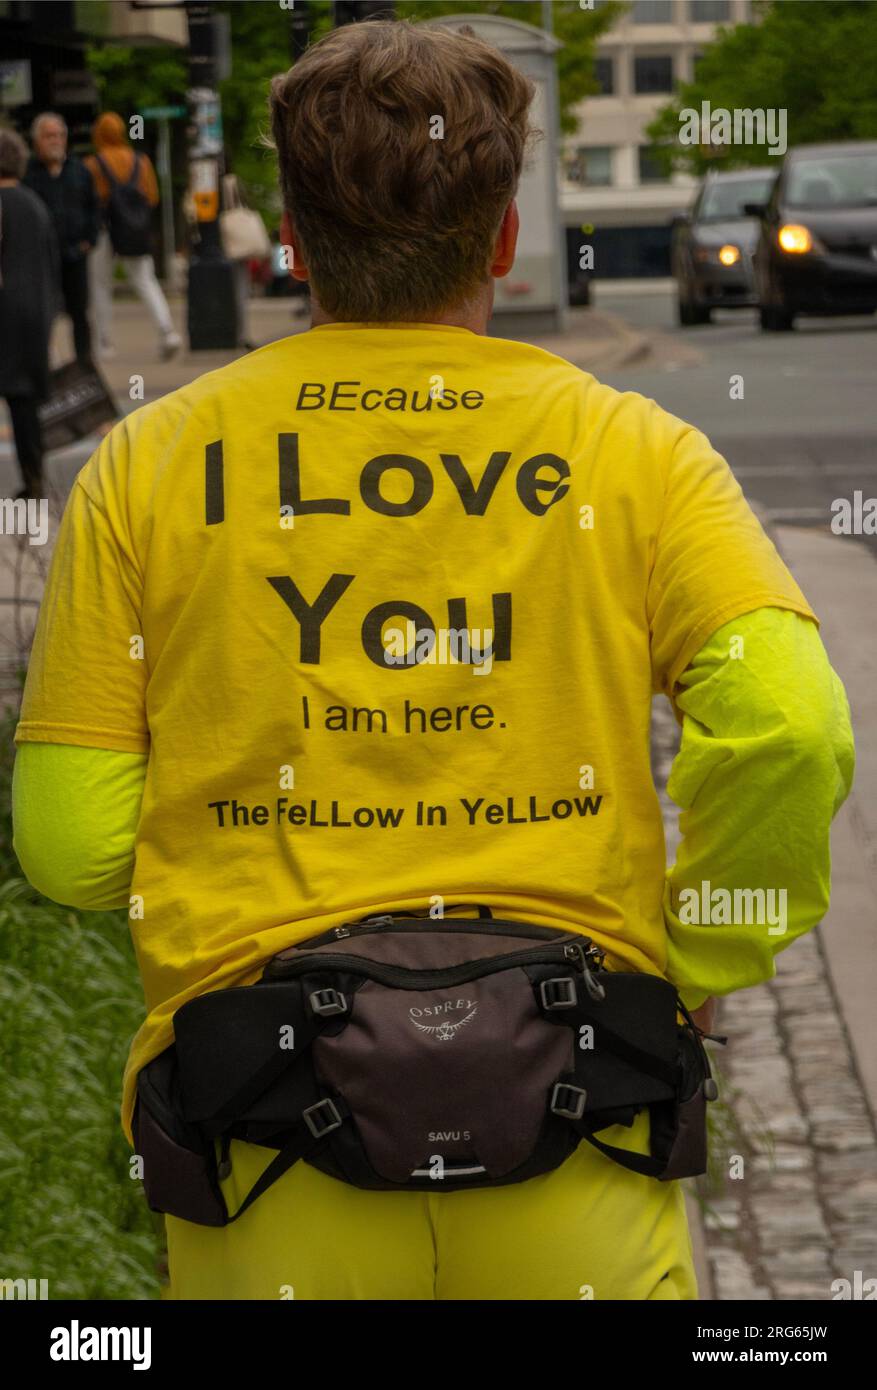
(589, 1229)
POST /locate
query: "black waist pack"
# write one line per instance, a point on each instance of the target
(406, 1053)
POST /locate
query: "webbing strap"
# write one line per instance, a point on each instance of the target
(638, 1163)
(297, 1147)
(110, 177)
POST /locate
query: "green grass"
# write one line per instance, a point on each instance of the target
(70, 1000)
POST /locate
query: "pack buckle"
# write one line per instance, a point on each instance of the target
(568, 1101)
(559, 993)
(328, 1001)
(322, 1118)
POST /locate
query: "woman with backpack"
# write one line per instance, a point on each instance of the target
(127, 191)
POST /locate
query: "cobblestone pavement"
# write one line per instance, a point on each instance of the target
(792, 1107)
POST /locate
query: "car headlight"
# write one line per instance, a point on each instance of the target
(718, 255)
(797, 240)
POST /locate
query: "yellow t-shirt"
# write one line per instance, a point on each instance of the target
(386, 606)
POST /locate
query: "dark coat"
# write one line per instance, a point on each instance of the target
(29, 294)
(72, 201)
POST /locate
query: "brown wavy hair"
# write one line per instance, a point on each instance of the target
(395, 224)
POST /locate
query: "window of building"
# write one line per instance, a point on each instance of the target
(604, 75)
(650, 170)
(652, 72)
(591, 165)
(653, 12)
(709, 11)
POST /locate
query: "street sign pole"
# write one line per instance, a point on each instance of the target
(299, 30)
(163, 160)
(165, 114)
(213, 315)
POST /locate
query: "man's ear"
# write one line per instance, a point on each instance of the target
(298, 270)
(506, 242)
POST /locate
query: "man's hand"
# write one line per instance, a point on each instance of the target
(705, 1016)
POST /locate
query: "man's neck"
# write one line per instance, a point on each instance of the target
(473, 315)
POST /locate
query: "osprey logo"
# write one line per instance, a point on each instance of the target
(442, 1027)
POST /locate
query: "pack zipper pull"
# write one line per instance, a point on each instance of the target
(577, 954)
(597, 955)
(594, 988)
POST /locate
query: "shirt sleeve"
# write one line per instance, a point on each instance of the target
(713, 560)
(765, 762)
(75, 813)
(87, 677)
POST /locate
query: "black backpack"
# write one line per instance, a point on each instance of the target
(128, 214)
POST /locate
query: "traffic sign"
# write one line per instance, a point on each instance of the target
(155, 113)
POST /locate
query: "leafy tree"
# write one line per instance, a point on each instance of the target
(815, 60)
(128, 79)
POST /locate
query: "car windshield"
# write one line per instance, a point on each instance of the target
(834, 181)
(726, 199)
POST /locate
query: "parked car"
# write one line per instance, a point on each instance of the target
(711, 249)
(817, 247)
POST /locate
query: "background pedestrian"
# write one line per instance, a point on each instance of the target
(29, 294)
(64, 185)
(126, 188)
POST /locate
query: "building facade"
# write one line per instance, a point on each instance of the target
(613, 193)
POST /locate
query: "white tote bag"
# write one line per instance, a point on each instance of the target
(243, 233)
